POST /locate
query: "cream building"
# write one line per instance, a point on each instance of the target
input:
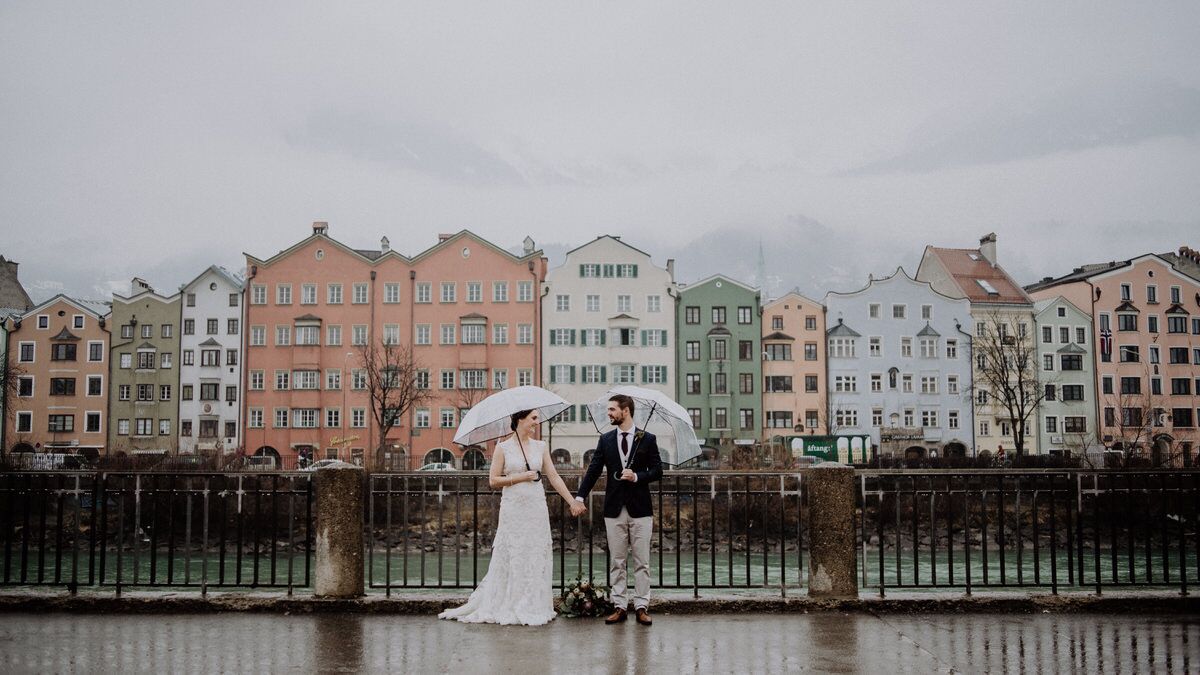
(608, 319)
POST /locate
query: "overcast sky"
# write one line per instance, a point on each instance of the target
(156, 138)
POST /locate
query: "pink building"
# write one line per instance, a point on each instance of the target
(1146, 314)
(467, 308)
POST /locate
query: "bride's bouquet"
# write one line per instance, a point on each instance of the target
(584, 598)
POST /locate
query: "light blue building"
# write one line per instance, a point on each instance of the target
(899, 367)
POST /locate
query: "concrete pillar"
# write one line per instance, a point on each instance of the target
(339, 538)
(832, 569)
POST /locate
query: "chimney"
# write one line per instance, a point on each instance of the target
(139, 285)
(385, 245)
(987, 248)
(443, 237)
(10, 265)
(527, 245)
(321, 227)
(671, 268)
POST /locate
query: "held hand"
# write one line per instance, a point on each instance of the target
(627, 474)
(577, 509)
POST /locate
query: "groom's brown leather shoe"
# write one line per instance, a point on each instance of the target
(616, 617)
(643, 616)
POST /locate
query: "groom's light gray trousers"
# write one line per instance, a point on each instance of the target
(629, 539)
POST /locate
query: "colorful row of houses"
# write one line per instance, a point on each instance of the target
(272, 361)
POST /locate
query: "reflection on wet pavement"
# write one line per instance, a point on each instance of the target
(819, 642)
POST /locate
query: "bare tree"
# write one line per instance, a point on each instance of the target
(1007, 369)
(10, 387)
(391, 371)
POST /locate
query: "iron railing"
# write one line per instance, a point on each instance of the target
(135, 530)
(711, 531)
(1064, 529)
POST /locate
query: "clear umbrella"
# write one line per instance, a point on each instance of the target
(491, 417)
(653, 409)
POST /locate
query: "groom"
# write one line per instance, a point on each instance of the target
(629, 457)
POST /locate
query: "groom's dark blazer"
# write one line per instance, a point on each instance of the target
(621, 493)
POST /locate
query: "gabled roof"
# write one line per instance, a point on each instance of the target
(1072, 348)
(1126, 306)
(928, 331)
(977, 278)
(1176, 309)
(795, 293)
(473, 315)
(899, 274)
(842, 330)
(719, 330)
(1042, 305)
(1179, 265)
(229, 277)
(778, 336)
(86, 306)
(210, 342)
(607, 236)
(308, 317)
(717, 277)
(147, 345)
(375, 256)
(622, 317)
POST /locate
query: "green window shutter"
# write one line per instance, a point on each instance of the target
(572, 336)
(572, 374)
(634, 271)
(583, 337)
(603, 336)
(603, 374)
(645, 338)
(662, 340)
(581, 270)
(552, 380)
(645, 374)
(553, 337)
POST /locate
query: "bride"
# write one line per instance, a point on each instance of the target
(517, 587)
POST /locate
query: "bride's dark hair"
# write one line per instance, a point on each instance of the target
(517, 417)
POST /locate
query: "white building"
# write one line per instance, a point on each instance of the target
(899, 366)
(608, 319)
(210, 364)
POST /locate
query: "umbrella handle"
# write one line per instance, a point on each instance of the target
(526, 458)
(633, 450)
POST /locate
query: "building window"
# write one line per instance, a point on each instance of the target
(810, 351)
(691, 315)
(624, 303)
(874, 310)
(745, 350)
(899, 311)
(718, 315)
(562, 303)
(424, 293)
(745, 383)
(500, 334)
(499, 291)
(745, 316)
(283, 294)
(692, 381)
(360, 294)
(592, 303)
(906, 347)
(846, 418)
(810, 384)
(746, 419)
(695, 415)
(875, 346)
(653, 303)
(524, 291)
(1072, 362)
(692, 350)
(777, 352)
(720, 418)
(62, 352)
(1075, 425)
(391, 294)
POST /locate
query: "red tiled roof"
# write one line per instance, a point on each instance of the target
(968, 272)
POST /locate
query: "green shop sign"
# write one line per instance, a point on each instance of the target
(844, 449)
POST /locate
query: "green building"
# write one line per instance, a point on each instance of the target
(719, 329)
(143, 372)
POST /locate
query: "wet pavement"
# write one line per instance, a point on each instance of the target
(748, 643)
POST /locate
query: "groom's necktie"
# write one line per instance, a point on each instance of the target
(624, 447)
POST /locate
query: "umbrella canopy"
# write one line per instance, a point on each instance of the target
(652, 408)
(490, 417)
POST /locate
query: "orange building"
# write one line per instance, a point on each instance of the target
(59, 353)
(794, 392)
(467, 308)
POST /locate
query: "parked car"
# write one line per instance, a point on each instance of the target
(438, 466)
(320, 463)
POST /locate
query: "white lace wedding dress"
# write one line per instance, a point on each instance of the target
(517, 587)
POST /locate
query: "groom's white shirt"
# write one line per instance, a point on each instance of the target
(624, 455)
